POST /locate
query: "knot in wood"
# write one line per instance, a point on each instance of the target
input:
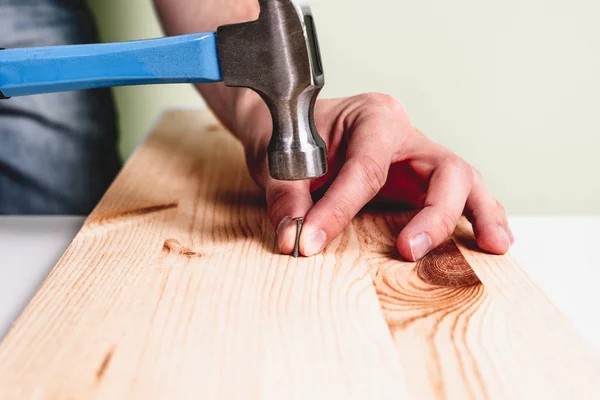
(446, 266)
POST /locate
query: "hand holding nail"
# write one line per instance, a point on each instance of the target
(377, 156)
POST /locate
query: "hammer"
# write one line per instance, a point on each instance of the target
(277, 56)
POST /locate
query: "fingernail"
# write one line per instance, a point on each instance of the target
(511, 236)
(283, 232)
(315, 243)
(284, 221)
(503, 234)
(420, 245)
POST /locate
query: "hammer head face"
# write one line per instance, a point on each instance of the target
(278, 56)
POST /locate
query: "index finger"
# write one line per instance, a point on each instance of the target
(360, 179)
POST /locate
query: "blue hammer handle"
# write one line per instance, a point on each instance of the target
(180, 59)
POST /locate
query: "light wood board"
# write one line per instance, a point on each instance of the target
(173, 290)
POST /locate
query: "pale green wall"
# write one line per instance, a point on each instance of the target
(511, 86)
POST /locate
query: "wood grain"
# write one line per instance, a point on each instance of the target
(173, 289)
(469, 325)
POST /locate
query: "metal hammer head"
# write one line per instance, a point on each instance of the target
(278, 57)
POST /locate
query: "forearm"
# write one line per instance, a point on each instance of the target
(234, 107)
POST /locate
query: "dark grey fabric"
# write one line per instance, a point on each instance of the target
(58, 152)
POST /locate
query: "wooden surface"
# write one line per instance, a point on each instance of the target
(173, 289)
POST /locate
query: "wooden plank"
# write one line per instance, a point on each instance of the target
(468, 325)
(173, 289)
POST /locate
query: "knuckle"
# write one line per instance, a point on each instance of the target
(477, 175)
(373, 174)
(460, 165)
(383, 102)
(341, 213)
(446, 221)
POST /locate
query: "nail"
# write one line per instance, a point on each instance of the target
(503, 234)
(420, 245)
(299, 221)
(283, 232)
(315, 243)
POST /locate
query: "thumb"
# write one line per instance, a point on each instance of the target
(286, 201)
